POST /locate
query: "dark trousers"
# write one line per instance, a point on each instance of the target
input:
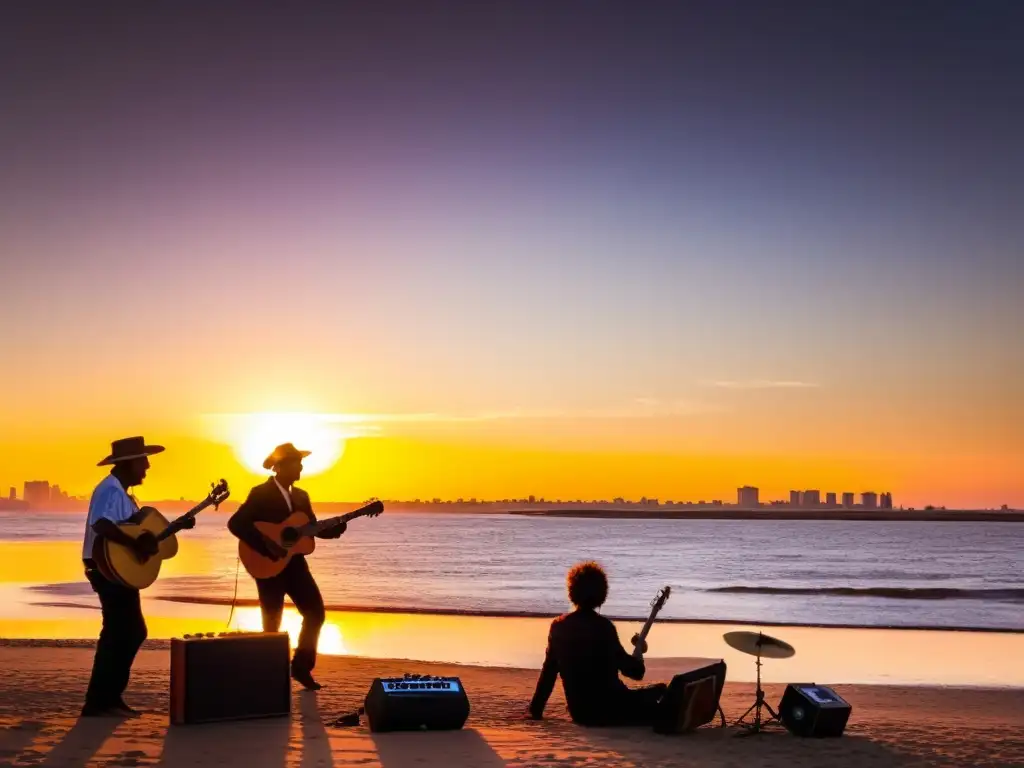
(297, 582)
(632, 706)
(124, 631)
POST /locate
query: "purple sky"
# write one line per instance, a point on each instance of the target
(521, 208)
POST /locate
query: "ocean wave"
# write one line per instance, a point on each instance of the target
(893, 593)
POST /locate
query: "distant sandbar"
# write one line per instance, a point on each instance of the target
(731, 513)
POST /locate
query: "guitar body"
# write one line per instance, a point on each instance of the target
(284, 534)
(121, 565)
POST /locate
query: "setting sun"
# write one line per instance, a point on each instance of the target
(254, 436)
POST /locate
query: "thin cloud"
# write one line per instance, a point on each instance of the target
(368, 423)
(761, 384)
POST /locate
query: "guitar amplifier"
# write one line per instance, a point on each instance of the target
(692, 700)
(416, 703)
(232, 676)
(813, 710)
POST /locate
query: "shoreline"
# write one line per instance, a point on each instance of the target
(492, 614)
(658, 663)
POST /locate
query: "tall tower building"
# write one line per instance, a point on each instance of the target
(848, 501)
(812, 498)
(747, 497)
(37, 493)
(794, 498)
(869, 500)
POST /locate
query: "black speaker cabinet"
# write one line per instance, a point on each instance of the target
(232, 676)
(814, 710)
(416, 703)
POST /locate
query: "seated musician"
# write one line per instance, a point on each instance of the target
(584, 649)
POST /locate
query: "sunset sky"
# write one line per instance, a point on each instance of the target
(579, 252)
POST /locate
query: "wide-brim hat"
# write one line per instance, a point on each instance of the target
(283, 452)
(129, 448)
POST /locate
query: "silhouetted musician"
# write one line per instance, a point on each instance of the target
(273, 501)
(584, 649)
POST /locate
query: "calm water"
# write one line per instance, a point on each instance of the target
(814, 572)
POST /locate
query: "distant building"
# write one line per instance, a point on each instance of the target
(811, 498)
(830, 499)
(794, 498)
(848, 501)
(13, 495)
(885, 502)
(747, 497)
(869, 500)
(37, 493)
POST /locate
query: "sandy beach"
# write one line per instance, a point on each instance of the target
(41, 690)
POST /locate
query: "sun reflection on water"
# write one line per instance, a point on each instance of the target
(331, 641)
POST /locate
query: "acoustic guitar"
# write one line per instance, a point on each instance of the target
(639, 640)
(125, 566)
(296, 535)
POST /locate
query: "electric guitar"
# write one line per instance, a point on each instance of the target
(296, 534)
(640, 640)
(123, 565)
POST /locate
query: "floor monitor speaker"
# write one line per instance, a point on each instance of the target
(813, 710)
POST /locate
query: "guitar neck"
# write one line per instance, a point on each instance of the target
(312, 529)
(648, 624)
(174, 527)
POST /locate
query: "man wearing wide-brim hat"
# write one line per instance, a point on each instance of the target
(273, 502)
(124, 627)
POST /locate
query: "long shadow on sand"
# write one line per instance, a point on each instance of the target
(248, 742)
(316, 745)
(717, 746)
(78, 746)
(15, 738)
(438, 749)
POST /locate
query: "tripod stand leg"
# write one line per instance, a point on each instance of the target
(744, 715)
(721, 714)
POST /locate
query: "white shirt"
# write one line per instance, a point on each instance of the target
(109, 500)
(285, 493)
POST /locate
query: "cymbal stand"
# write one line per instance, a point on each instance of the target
(757, 725)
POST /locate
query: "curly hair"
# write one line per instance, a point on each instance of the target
(588, 585)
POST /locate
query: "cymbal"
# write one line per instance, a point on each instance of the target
(759, 644)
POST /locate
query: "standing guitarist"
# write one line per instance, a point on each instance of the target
(272, 502)
(124, 628)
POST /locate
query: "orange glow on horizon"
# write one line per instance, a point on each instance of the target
(679, 458)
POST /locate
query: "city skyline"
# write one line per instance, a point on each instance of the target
(40, 494)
